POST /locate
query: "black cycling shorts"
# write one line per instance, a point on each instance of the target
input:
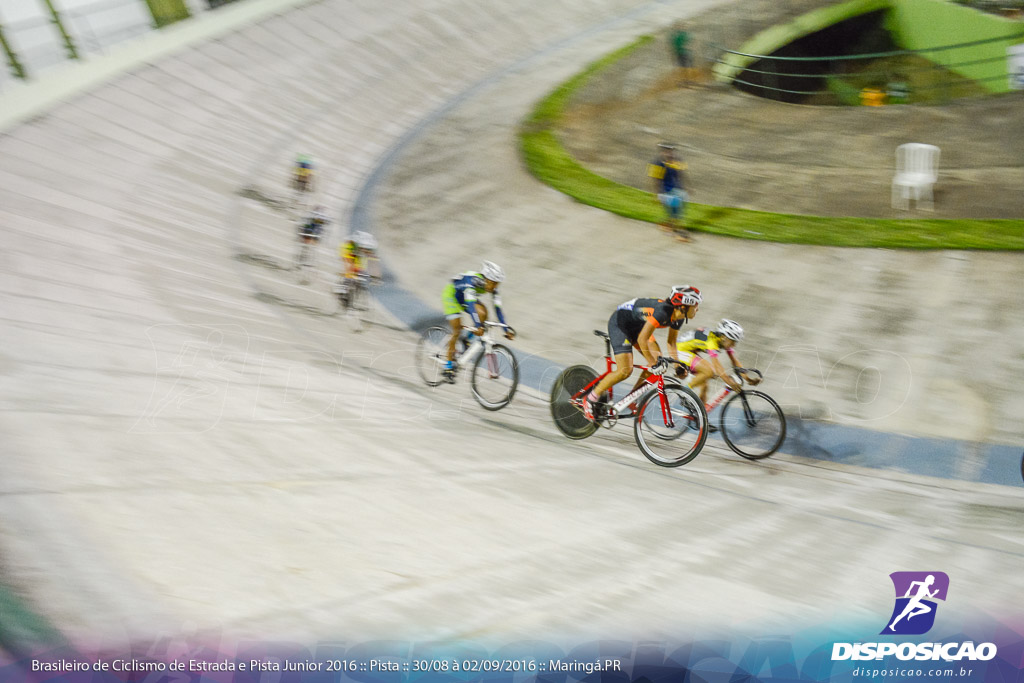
(619, 331)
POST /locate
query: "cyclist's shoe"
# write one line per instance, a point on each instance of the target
(588, 409)
(449, 372)
(712, 428)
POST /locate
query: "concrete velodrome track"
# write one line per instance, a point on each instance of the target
(191, 440)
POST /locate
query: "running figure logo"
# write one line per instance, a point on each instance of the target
(916, 593)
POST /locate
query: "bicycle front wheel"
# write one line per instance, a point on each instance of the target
(431, 355)
(568, 416)
(671, 431)
(752, 424)
(495, 377)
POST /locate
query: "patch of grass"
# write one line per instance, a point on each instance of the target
(20, 628)
(549, 161)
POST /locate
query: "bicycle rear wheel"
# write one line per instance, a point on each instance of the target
(431, 354)
(495, 377)
(752, 424)
(360, 306)
(568, 417)
(304, 264)
(672, 433)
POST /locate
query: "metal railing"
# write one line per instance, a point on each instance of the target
(102, 24)
(37, 42)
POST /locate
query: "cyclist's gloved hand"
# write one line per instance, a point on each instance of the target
(661, 366)
(510, 334)
(479, 331)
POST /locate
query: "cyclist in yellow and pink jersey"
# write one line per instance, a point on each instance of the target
(703, 342)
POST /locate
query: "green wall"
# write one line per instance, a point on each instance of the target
(915, 25)
(167, 11)
(919, 24)
(775, 37)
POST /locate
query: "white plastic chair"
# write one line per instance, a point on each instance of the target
(917, 169)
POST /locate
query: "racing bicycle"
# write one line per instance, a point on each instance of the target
(751, 422)
(355, 300)
(493, 368)
(305, 260)
(670, 425)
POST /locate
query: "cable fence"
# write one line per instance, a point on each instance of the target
(921, 76)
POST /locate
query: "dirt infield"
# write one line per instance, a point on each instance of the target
(749, 152)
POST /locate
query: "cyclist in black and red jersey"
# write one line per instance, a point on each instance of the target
(632, 325)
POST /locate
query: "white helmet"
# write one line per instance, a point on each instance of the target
(365, 240)
(492, 271)
(684, 295)
(730, 329)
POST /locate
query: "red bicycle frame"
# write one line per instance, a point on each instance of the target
(631, 397)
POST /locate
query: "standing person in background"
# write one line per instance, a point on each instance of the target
(666, 173)
(680, 41)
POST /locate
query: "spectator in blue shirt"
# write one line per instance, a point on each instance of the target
(666, 173)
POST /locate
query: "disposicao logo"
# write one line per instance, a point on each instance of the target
(916, 593)
(913, 615)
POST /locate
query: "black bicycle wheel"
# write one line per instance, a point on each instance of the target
(672, 433)
(752, 424)
(495, 377)
(431, 354)
(568, 417)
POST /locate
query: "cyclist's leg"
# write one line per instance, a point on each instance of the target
(622, 348)
(623, 369)
(312, 243)
(299, 187)
(701, 371)
(456, 325)
(453, 312)
(344, 276)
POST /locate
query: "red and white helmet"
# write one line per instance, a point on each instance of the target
(684, 295)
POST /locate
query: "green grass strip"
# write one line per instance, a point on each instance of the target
(20, 628)
(548, 160)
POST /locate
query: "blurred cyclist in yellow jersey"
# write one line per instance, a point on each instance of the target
(358, 256)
